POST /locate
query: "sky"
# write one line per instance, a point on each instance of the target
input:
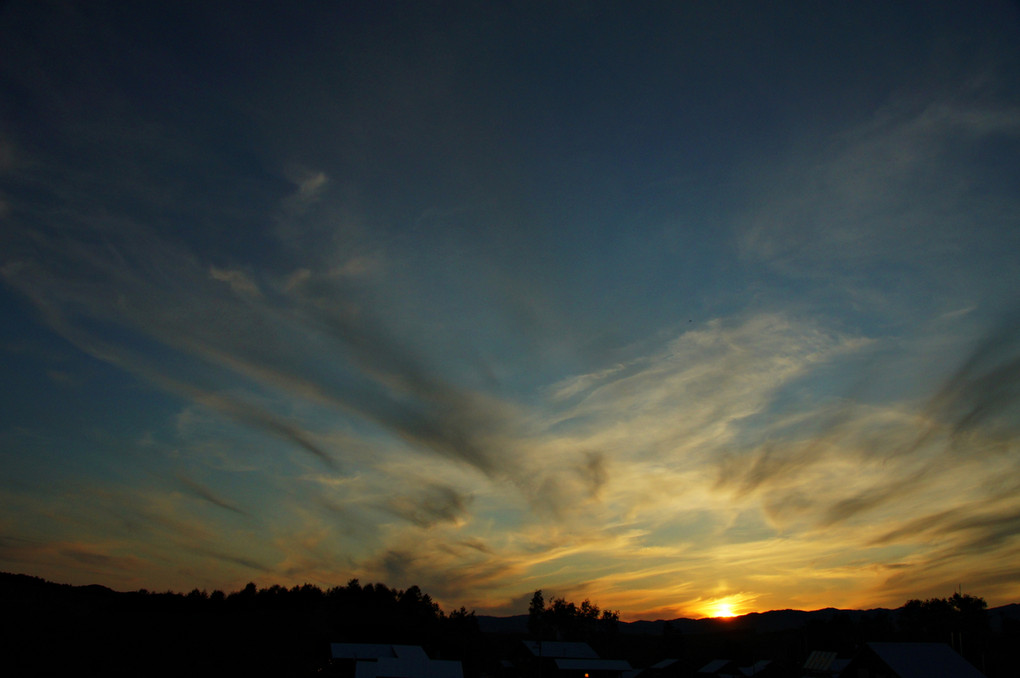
(679, 307)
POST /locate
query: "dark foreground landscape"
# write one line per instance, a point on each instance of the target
(54, 629)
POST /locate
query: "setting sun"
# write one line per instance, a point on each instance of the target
(724, 610)
(728, 606)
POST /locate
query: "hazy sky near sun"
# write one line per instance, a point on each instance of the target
(663, 304)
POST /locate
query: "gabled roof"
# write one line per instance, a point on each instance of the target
(837, 666)
(556, 649)
(371, 651)
(408, 668)
(394, 661)
(665, 663)
(715, 666)
(564, 664)
(755, 668)
(924, 660)
(819, 660)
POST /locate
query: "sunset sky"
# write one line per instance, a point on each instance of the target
(670, 305)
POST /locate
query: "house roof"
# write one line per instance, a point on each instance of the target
(557, 649)
(394, 661)
(408, 668)
(715, 666)
(369, 651)
(838, 665)
(565, 664)
(819, 660)
(665, 663)
(924, 660)
(755, 668)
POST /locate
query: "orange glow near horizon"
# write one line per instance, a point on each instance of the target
(725, 607)
(724, 610)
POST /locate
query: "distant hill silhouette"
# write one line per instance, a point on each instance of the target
(762, 622)
(757, 622)
(55, 629)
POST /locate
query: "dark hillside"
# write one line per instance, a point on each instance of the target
(51, 629)
(55, 629)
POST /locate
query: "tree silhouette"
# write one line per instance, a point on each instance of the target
(535, 610)
(959, 620)
(273, 631)
(563, 620)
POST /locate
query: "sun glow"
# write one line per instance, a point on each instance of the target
(727, 606)
(724, 610)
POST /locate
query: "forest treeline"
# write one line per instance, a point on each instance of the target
(50, 629)
(275, 630)
(272, 630)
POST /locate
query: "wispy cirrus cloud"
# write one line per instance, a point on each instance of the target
(239, 282)
(720, 416)
(359, 313)
(204, 493)
(91, 292)
(892, 207)
(434, 503)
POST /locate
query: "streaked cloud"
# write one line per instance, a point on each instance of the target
(475, 319)
(238, 280)
(436, 503)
